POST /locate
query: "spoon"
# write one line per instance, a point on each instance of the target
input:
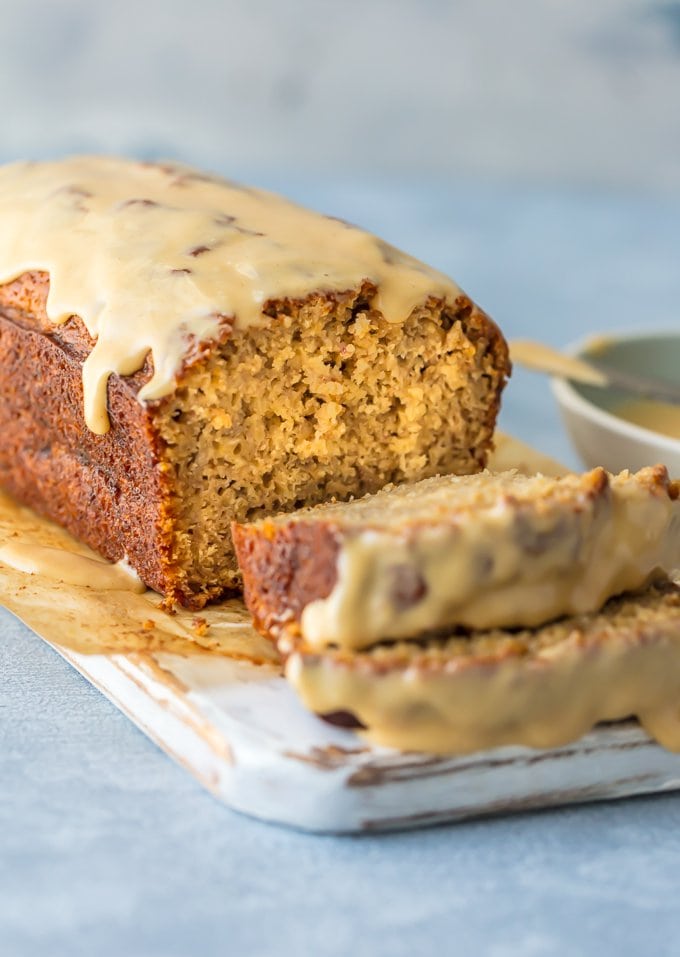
(542, 358)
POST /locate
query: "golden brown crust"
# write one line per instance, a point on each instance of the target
(106, 490)
(284, 567)
(486, 330)
(111, 491)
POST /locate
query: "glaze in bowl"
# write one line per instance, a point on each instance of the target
(600, 436)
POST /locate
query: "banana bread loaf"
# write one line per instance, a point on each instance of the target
(481, 551)
(540, 688)
(178, 352)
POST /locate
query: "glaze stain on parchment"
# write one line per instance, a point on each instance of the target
(106, 621)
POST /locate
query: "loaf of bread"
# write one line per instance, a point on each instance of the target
(178, 352)
(482, 551)
(540, 688)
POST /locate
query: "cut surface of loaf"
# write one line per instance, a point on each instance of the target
(482, 551)
(206, 383)
(541, 688)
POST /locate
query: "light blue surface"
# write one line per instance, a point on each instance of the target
(108, 848)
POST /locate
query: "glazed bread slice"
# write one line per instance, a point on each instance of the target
(484, 551)
(178, 352)
(540, 688)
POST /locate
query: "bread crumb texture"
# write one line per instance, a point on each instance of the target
(329, 401)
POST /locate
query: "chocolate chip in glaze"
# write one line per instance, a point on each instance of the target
(343, 719)
(139, 202)
(408, 586)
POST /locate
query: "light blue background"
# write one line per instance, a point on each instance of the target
(535, 157)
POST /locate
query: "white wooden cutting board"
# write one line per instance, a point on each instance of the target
(233, 722)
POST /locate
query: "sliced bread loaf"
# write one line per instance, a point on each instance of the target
(178, 352)
(482, 551)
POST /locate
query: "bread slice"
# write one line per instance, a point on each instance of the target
(541, 688)
(178, 352)
(484, 551)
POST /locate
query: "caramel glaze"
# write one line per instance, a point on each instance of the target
(157, 257)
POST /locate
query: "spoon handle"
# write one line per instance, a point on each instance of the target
(542, 358)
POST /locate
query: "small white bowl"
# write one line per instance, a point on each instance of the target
(600, 436)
